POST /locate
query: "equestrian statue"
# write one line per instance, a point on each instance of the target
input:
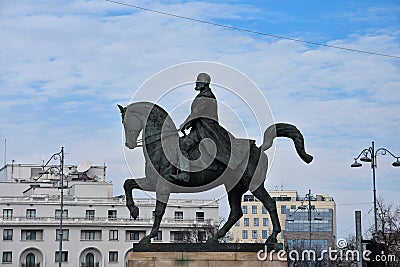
(206, 157)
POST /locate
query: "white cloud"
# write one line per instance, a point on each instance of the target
(64, 69)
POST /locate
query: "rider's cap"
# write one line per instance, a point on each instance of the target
(203, 78)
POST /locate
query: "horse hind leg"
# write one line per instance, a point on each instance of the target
(270, 204)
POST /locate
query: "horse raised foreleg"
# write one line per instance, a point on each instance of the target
(161, 204)
(129, 185)
(235, 200)
(270, 204)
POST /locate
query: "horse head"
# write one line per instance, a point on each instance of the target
(133, 125)
(145, 116)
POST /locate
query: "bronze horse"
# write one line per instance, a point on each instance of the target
(160, 142)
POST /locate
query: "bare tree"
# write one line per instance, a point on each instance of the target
(389, 231)
(348, 258)
(301, 254)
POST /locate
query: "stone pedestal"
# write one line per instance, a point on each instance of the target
(196, 258)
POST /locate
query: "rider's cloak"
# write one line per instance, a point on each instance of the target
(204, 122)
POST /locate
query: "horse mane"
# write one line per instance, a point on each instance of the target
(151, 111)
(144, 108)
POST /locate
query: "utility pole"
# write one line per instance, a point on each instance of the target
(358, 238)
(309, 220)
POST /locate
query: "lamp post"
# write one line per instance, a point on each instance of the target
(58, 156)
(309, 208)
(370, 155)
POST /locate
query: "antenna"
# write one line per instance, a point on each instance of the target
(5, 151)
(84, 166)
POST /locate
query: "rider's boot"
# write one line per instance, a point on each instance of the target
(183, 174)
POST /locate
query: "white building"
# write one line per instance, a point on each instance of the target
(97, 228)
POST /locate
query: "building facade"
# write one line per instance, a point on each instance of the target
(97, 228)
(293, 211)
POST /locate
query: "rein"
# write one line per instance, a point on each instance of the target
(171, 133)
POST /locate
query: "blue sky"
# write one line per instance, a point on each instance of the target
(66, 65)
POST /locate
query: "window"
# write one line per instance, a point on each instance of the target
(254, 234)
(300, 222)
(58, 214)
(247, 198)
(31, 234)
(159, 236)
(7, 214)
(30, 260)
(113, 235)
(237, 223)
(89, 214)
(179, 236)
(264, 234)
(35, 172)
(256, 222)
(88, 235)
(321, 244)
(7, 234)
(113, 256)
(134, 235)
(253, 209)
(7, 257)
(244, 234)
(244, 209)
(265, 221)
(283, 234)
(200, 216)
(293, 207)
(89, 260)
(64, 256)
(264, 210)
(246, 222)
(178, 215)
(65, 234)
(91, 235)
(30, 213)
(112, 214)
(283, 209)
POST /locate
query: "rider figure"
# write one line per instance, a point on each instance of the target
(203, 121)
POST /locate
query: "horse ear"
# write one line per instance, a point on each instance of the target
(122, 110)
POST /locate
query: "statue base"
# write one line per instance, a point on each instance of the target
(205, 255)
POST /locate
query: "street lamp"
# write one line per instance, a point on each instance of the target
(369, 155)
(58, 156)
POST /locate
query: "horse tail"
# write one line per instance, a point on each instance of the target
(289, 131)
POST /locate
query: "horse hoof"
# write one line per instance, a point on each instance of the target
(212, 241)
(271, 240)
(134, 212)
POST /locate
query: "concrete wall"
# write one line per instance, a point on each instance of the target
(201, 259)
